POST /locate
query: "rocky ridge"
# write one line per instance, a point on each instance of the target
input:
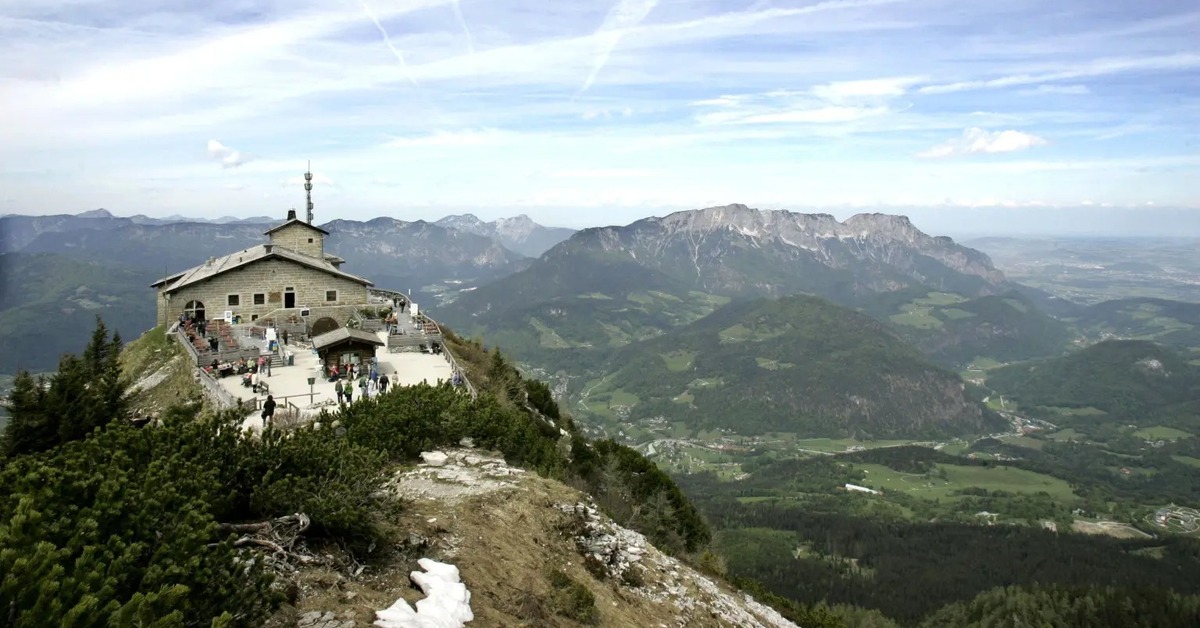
(506, 530)
(884, 252)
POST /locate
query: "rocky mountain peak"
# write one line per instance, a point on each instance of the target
(464, 222)
(516, 228)
(889, 225)
(518, 233)
(882, 252)
(96, 213)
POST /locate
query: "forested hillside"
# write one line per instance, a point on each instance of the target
(49, 304)
(798, 364)
(1132, 381)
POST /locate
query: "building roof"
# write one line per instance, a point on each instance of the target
(245, 257)
(295, 221)
(342, 334)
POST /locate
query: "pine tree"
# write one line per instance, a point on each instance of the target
(30, 428)
(86, 393)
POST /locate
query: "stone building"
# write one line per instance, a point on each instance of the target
(289, 275)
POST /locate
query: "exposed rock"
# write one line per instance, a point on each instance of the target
(317, 619)
(453, 475)
(433, 458)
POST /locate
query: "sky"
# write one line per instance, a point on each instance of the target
(988, 114)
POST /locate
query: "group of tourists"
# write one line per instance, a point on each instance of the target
(370, 383)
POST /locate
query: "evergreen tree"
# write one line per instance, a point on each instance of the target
(30, 427)
(86, 393)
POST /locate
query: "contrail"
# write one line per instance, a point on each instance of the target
(626, 15)
(463, 23)
(388, 40)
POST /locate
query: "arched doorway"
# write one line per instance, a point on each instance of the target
(323, 325)
(194, 310)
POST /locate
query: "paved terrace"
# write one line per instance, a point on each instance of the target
(289, 384)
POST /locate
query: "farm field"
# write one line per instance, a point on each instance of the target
(957, 477)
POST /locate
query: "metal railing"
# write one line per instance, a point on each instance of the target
(455, 367)
(216, 393)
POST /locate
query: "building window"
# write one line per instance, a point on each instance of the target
(310, 240)
(331, 295)
(232, 300)
(254, 317)
(260, 298)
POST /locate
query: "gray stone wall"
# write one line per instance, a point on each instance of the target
(164, 307)
(268, 278)
(296, 237)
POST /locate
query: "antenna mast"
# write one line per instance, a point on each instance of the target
(308, 191)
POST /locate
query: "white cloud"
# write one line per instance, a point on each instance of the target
(868, 88)
(602, 173)
(387, 39)
(1066, 90)
(625, 15)
(976, 141)
(828, 103)
(607, 114)
(228, 157)
(1100, 67)
(454, 138)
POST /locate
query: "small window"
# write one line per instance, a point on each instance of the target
(254, 317)
(310, 240)
(232, 299)
(260, 298)
(331, 295)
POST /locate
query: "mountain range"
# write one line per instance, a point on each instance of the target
(599, 300)
(57, 261)
(519, 233)
(606, 287)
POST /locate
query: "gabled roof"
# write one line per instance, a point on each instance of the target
(342, 334)
(295, 221)
(246, 257)
(167, 279)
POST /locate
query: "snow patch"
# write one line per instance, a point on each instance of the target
(447, 602)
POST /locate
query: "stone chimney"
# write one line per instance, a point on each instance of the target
(291, 214)
(267, 247)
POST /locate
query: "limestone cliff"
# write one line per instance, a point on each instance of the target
(735, 248)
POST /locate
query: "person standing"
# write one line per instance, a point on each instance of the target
(268, 411)
(341, 395)
(362, 385)
(348, 390)
(383, 384)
